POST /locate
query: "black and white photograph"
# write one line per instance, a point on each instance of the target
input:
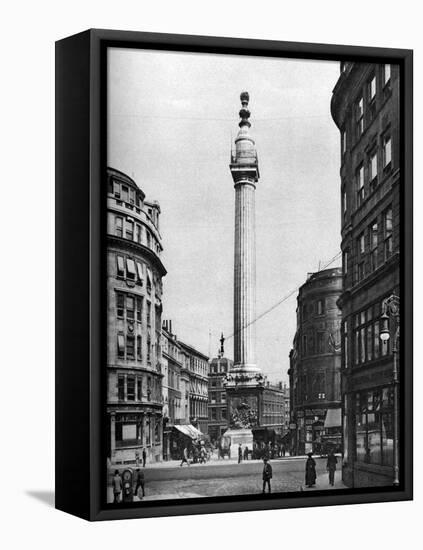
(253, 276)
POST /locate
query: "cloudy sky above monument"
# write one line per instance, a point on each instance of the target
(171, 119)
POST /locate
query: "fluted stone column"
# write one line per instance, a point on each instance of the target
(244, 277)
(245, 173)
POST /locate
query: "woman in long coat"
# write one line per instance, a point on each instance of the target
(310, 471)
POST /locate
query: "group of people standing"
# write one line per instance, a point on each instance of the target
(117, 484)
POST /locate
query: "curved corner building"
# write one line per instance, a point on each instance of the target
(134, 308)
(315, 364)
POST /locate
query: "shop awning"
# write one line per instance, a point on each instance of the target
(189, 430)
(333, 418)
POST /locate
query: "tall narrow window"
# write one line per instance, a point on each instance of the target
(121, 345)
(359, 117)
(361, 246)
(359, 178)
(372, 88)
(148, 313)
(373, 241)
(373, 168)
(130, 308)
(129, 233)
(116, 189)
(139, 273)
(344, 202)
(137, 233)
(121, 387)
(138, 303)
(139, 347)
(387, 233)
(320, 307)
(120, 304)
(386, 74)
(124, 193)
(130, 388)
(120, 266)
(387, 151)
(345, 262)
(130, 269)
(139, 388)
(343, 142)
(118, 226)
(130, 346)
(345, 344)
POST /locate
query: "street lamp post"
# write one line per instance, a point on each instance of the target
(390, 310)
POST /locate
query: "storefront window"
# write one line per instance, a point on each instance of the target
(374, 441)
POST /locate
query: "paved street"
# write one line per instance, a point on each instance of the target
(226, 477)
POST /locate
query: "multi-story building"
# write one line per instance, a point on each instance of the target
(273, 415)
(171, 386)
(197, 364)
(365, 108)
(315, 362)
(134, 306)
(287, 412)
(218, 416)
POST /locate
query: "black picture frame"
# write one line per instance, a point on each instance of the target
(80, 320)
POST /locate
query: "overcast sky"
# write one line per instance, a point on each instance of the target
(171, 120)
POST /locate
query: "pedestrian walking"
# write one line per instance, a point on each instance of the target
(246, 452)
(137, 459)
(283, 450)
(117, 487)
(239, 453)
(185, 457)
(310, 471)
(139, 484)
(267, 474)
(331, 467)
(144, 457)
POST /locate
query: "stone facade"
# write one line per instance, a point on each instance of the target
(365, 108)
(218, 412)
(197, 364)
(134, 307)
(315, 360)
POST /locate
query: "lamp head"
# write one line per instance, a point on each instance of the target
(384, 333)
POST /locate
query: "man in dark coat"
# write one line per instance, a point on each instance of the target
(117, 486)
(139, 484)
(310, 471)
(144, 458)
(239, 453)
(267, 474)
(331, 467)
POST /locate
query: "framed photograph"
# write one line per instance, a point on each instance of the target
(233, 275)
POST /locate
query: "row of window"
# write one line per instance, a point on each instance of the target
(316, 342)
(217, 397)
(317, 308)
(132, 270)
(130, 347)
(217, 414)
(373, 247)
(127, 228)
(125, 193)
(366, 104)
(130, 307)
(131, 388)
(366, 340)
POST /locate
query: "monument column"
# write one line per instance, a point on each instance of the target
(244, 382)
